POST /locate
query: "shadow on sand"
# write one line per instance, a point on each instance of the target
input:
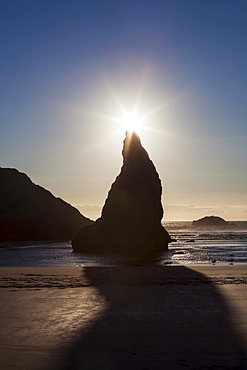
(157, 318)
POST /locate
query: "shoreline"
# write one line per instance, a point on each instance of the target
(136, 317)
(72, 277)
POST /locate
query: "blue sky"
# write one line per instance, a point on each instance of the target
(67, 68)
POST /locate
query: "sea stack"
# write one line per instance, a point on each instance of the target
(210, 221)
(130, 223)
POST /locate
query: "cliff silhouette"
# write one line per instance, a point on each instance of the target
(30, 212)
(130, 223)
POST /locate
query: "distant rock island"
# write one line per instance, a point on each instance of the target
(210, 221)
(130, 223)
(29, 212)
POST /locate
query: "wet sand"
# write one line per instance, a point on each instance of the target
(137, 317)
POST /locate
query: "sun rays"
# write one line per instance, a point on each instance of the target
(132, 111)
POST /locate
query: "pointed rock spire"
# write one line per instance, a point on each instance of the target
(130, 223)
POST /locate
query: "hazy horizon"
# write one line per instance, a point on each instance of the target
(93, 211)
(71, 70)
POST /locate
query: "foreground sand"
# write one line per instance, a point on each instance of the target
(147, 317)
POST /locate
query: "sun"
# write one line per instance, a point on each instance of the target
(132, 121)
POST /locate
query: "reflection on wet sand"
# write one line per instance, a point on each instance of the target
(157, 318)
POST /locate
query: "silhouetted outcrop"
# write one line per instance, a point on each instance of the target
(29, 212)
(210, 221)
(130, 223)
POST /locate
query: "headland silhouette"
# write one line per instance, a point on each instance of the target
(29, 212)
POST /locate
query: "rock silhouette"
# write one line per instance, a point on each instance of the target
(130, 223)
(30, 212)
(210, 221)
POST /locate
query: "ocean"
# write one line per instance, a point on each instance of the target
(212, 245)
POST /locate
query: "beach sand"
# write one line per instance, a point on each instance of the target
(136, 317)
